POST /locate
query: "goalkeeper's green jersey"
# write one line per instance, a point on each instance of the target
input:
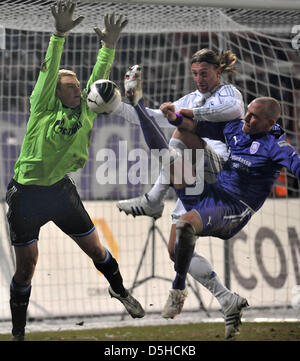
(57, 138)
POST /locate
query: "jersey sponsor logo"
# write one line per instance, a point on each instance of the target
(241, 160)
(60, 129)
(254, 147)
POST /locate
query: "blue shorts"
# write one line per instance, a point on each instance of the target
(222, 215)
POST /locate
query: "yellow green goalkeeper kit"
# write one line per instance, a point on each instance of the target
(57, 138)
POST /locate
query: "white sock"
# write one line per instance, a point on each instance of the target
(160, 189)
(202, 271)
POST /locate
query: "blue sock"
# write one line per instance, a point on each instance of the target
(107, 258)
(19, 300)
(110, 269)
(184, 249)
(153, 135)
(179, 282)
(19, 289)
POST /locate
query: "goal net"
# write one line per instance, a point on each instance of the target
(262, 261)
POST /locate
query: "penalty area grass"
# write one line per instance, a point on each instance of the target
(250, 331)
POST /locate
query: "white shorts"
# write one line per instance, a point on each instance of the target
(213, 164)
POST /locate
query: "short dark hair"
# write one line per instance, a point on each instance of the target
(272, 108)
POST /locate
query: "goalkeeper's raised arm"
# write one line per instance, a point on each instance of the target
(44, 93)
(56, 143)
(63, 16)
(109, 37)
(111, 33)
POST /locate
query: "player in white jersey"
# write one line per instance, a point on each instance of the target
(212, 101)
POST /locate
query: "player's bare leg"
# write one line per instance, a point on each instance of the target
(187, 227)
(201, 270)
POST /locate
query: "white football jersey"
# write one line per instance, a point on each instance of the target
(223, 103)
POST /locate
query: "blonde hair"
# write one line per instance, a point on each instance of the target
(272, 108)
(225, 60)
(65, 72)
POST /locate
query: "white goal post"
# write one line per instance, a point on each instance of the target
(263, 259)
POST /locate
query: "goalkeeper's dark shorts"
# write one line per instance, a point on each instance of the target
(31, 206)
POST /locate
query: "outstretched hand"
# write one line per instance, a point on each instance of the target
(167, 108)
(111, 32)
(182, 119)
(64, 17)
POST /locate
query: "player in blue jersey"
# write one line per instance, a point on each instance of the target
(258, 151)
(213, 101)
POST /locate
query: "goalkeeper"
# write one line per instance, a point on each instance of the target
(56, 143)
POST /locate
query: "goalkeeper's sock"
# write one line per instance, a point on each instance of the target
(19, 300)
(110, 269)
(201, 270)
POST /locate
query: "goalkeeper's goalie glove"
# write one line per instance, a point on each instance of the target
(111, 32)
(64, 17)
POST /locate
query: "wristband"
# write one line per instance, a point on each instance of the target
(178, 120)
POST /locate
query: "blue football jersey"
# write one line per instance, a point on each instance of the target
(254, 162)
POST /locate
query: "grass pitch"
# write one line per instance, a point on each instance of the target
(250, 331)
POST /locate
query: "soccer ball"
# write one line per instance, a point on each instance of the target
(103, 96)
